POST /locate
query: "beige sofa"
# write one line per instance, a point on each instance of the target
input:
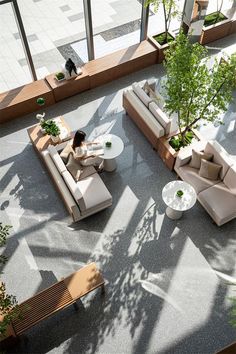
(83, 198)
(218, 197)
(147, 112)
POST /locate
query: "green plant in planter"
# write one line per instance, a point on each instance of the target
(215, 17)
(51, 128)
(195, 91)
(170, 10)
(60, 76)
(179, 193)
(108, 144)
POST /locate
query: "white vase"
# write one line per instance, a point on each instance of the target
(55, 139)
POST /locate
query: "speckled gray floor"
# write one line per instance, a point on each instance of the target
(162, 295)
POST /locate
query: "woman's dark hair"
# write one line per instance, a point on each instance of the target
(78, 139)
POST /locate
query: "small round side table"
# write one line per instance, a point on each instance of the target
(176, 205)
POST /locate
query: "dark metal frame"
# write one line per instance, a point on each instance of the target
(22, 34)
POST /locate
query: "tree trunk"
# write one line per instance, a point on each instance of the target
(166, 27)
(218, 10)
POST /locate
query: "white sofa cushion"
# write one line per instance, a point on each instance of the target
(162, 118)
(146, 115)
(219, 202)
(75, 189)
(191, 176)
(230, 179)
(56, 158)
(60, 183)
(94, 192)
(141, 94)
(220, 156)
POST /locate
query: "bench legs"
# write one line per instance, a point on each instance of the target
(103, 289)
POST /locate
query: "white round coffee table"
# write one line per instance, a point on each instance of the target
(176, 205)
(110, 153)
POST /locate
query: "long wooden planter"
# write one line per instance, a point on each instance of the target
(217, 31)
(160, 48)
(168, 154)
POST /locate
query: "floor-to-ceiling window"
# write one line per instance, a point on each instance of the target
(12, 73)
(116, 25)
(52, 26)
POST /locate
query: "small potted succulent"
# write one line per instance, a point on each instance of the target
(60, 76)
(108, 144)
(53, 130)
(179, 193)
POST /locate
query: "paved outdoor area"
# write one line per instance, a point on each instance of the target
(56, 31)
(162, 294)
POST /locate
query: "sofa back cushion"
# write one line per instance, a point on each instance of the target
(196, 158)
(74, 167)
(161, 117)
(141, 94)
(220, 156)
(74, 189)
(56, 159)
(209, 170)
(230, 179)
(66, 151)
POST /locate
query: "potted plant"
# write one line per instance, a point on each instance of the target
(216, 25)
(195, 92)
(53, 130)
(60, 76)
(170, 10)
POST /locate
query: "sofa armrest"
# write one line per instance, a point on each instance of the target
(183, 158)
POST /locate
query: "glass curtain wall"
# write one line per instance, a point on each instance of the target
(52, 26)
(12, 73)
(116, 24)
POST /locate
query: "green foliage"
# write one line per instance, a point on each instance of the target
(8, 304)
(4, 232)
(196, 92)
(161, 38)
(170, 10)
(233, 312)
(176, 142)
(9, 309)
(51, 128)
(60, 76)
(179, 193)
(213, 18)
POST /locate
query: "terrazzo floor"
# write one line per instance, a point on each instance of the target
(162, 294)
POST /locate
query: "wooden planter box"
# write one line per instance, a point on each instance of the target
(161, 48)
(213, 32)
(231, 349)
(168, 154)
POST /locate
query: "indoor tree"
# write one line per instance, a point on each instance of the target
(195, 91)
(170, 10)
(8, 305)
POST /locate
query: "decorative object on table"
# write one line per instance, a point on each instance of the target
(179, 193)
(60, 76)
(175, 204)
(53, 130)
(70, 66)
(108, 144)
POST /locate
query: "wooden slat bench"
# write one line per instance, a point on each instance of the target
(55, 298)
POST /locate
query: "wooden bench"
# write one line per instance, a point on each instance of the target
(55, 298)
(121, 63)
(22, 100)
(68, 88)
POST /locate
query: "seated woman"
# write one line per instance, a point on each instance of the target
(81, 151)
